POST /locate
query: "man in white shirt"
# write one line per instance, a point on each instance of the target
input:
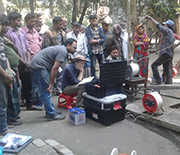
(41, 18)
(81, 46)
(75, 34)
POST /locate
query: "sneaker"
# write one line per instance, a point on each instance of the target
(168, 83)
(56, 92)
(13, 122)
(57, 112)
(56, 117)
(18, 117)
(155, 83)
(10, 126)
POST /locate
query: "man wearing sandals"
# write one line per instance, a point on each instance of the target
(5, 80)
(18, 37)
(44, 67)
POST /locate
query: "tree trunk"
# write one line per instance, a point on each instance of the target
(74, 12)
(134, 17)
(51, 8)
(129, 26)
(32, 6)
(2, 6)
(177, 20)
(83, 12)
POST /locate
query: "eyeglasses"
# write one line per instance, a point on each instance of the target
(74, 47)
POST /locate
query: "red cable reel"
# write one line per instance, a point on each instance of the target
(152, 102)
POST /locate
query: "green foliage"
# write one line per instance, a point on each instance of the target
(17, 5)
(163, 9)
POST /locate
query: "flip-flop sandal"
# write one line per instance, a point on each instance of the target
(10, 126)
(35, 108)
(8, 131)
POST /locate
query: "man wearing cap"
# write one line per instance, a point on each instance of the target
(96, 39)
(114, 39)
(44, 67)
(105, 27)
(166, 51)
(72, 75)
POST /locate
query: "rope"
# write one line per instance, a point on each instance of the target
(154, 53)
(129, 114)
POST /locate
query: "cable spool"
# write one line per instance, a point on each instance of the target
(133, 69)
(152, 102)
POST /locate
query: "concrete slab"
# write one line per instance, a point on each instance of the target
(62, 150)
(51, 142)
(38, 143)
(161, 87)
(169, 118)
(31, 149)
(48, 150)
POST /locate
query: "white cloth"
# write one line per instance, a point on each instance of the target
(110, 58)
(72, 35)
(44, 28)
(124, 36)
(81, 43)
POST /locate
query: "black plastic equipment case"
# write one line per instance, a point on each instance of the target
(112, 75)
(105, 110)
(112, 72)
(95, 89)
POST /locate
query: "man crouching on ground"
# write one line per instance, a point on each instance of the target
(44, 67)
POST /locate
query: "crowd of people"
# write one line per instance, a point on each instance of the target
(44, 60)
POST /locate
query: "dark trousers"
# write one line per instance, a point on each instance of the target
(26, 85)
(13, 108)
(93, 57)
(73, 89)
(164, 60)
(163, 74)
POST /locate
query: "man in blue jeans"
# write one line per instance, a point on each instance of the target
(44, 67)
(5, 81)
(166, 53)
(96, 39)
